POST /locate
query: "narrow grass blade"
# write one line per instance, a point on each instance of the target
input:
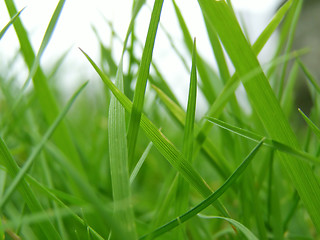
(309, 76)
(32, 202)
(119, 161)
(268, 141)
(3, 31)
(264, 102)
(47, 36)
(140, 163)
(19, 177)
(143, 74)
(313, 127)
(247, 233)
(47, 101)
(165, 147)
(208, 201)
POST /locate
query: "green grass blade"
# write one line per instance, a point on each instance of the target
(19, 177)
(247, 233)
(313, 127)
(47, 101)
(32, 202)
(207, 202)
(119, 161)
(143, 74)
(3, 31)
(268, 141)
(166, 148)
(309, 76)
(264, 102)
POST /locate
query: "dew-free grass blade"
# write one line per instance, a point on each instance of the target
(143, 74)
(247, 233)
(118, 155)
(268, 141)
(264, 102)
(208, 201)
(19, 177)
(165, 147)
(3, 31)
(47, 101)
(313, 127)
(309, 76)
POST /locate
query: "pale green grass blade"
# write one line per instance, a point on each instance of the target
(313, 127)
(247, 233)
(268, 141)
(143, 74)
(264, 102)
(3, 31)
(140, 163)
(165, 147)
(19, 177)
(47, 101)
(45, 41)
(7, 160)
(309, 76)
(208, 201)
(119, 161)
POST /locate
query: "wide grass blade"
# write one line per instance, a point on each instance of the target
(118, 154)
(3, 31)
(19, 177)
(264, 102)
(143, 74)
(165, 147)
(208, 201)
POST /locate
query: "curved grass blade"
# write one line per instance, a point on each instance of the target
(19, 177)
(248, 234)
(208, 201)
(268, 141)
(313, 127)
(309, 76)
(3, 31)
(118, 154)
(264, 102)
(143, 74)
(165, 147)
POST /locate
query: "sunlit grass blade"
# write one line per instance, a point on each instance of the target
(32, 202)
(19, 177)
(118, 154)
(208, 201)
(143, 74)
(264, 102)
(247, 233)
(313, 127)
(268, 141)
(3, 31)
(140, 163)
(165, 147)
(47, 101)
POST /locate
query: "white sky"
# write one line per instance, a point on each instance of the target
(74, 30)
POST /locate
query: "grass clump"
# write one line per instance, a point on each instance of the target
(88, 172)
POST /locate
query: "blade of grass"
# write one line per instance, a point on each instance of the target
(313, 127)
(247, 233)
(119, 161)
(309, 76)
(165, 147)
(264, 102)
(12, 20)
(143, 74)
(208, 201)
(47, 101)
(19, 177)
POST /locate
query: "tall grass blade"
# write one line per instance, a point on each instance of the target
(119, 161)
(313, 127)
(309, 76)
(208, 201)
(12, 20)
(264, 102)
(143, 74)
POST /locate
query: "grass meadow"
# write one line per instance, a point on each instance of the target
(127, 161)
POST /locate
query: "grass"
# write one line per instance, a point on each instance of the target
(88, 172)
